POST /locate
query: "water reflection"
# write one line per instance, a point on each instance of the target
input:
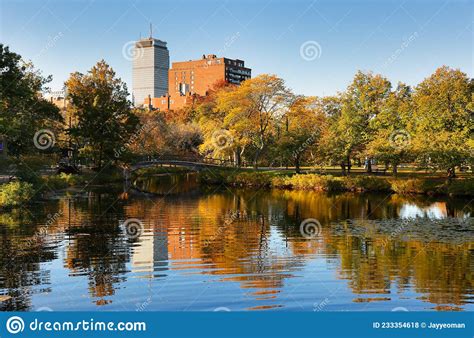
(238, 249)
(166, 184)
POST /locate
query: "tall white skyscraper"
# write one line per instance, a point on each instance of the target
(151, 63)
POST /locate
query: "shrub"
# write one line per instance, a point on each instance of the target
(366, 183)
(211, 177)
(461, 187)
(62, 180)
(311, 182)
(417, 186)
(407, 186)
(281, 182)
(250, 179)
(15, 193)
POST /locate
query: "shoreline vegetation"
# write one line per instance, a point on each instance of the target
(17, 192)
(405, 183)
(360, 183)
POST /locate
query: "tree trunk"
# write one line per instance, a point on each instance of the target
(395, 169)
(369, 165)
(255, 159)
(237, 158)
(348, 165)
(343, 168)
(451, 173)
(100, 157)
(297, 164)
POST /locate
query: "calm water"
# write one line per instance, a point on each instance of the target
(220, 249)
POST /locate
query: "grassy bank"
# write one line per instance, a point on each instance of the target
(29, 185)
(360, 183)
(153, 171)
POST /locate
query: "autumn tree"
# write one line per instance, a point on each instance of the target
(218, 140)
(442, 123)
(105, 120)
(252, 109)
(300, 128)
(150, 138)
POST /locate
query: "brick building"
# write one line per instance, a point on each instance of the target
(188, 79)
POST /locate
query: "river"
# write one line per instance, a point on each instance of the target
(192, 248)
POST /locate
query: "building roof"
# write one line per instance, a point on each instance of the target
(150, 42)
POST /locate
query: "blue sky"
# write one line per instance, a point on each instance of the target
(404, 40)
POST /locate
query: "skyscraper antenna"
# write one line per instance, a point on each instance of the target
(151, 30)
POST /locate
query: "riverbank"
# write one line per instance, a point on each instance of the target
(415, 184)
(19, 192)
(22, 189)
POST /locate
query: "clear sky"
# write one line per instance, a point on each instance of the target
(404, 40)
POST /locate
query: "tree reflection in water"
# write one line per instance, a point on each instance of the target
(200, 249)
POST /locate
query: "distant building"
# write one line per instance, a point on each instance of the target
(57, 97)
(151, 63)
(168, 102)
(198, 76)
(188, 79)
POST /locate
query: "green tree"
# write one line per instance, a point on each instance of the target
(442, 122)
(23, 110)
(300, 129)
(105, 121)
(350, 132)
(391, 141)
